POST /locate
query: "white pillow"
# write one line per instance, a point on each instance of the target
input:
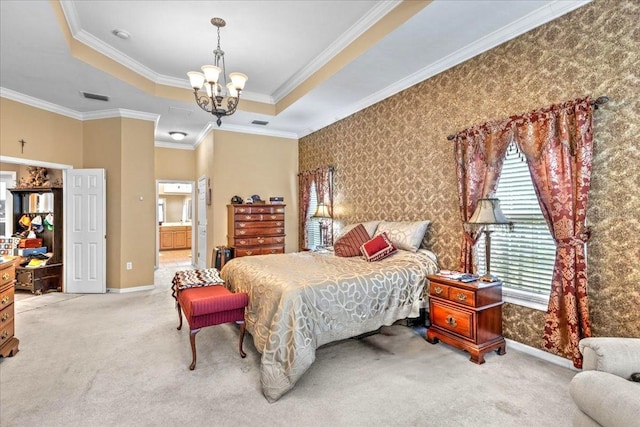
(405, 235)
(370, 226)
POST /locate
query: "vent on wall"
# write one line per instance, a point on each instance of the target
(95, 96)
(260, 122)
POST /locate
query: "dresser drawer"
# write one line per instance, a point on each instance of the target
(255, 241)
(258, 210)
(264, 250)
(7, 275)
(462, 296)
(6, 316)
(6, 332)
(259, 217)
(259, 224)
(258, 231)
(452, 319)
(6, 297)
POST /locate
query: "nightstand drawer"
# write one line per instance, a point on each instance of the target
(462, 296)
(6, 297)
(7, 275)
(438, 290)
(454, 320)
(6, 331)
(6, 316)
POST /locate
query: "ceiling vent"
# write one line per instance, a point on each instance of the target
(95, 96)
(259, 122)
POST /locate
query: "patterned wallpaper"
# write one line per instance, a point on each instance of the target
(393, 160)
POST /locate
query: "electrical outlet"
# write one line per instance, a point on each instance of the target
(129, 266)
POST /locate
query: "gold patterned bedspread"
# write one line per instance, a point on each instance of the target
(300, 301)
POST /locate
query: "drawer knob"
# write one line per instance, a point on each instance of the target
(5, 299)
(4, 335)
(241, 224)
(462, 297)
(4, 317)
(242, 242)
(249, 252)
(241, 210)
(438, 290)
(273, 217)
(273, 251)
(242, 232)
(278, 224)
(247, 216)
(5, 276)
(260, 240)
(451, 321)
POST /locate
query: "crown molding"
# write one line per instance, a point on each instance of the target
(203, 134)
(528, 22)
(356, 30)
(21, 161)
(39, 103)
(121, 112)
(256, 131)
(174, 145)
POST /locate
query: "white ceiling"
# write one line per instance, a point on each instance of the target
(278, 44)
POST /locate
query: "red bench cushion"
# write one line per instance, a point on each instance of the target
(212, 305)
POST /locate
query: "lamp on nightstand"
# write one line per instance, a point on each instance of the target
(322, 213)
(487, 218)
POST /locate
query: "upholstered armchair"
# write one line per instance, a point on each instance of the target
(603, 394)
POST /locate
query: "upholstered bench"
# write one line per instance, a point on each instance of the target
(207, 303)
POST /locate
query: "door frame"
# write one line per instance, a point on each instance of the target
(193, 193)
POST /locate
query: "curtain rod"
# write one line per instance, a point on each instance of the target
(596, 104)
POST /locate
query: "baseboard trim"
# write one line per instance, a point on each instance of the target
(127, 290)
(540, 354)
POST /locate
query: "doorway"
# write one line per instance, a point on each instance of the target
(174, 216)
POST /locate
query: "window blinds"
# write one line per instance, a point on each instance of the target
(313, 224)
(524, 258)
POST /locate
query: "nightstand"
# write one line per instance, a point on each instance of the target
(466, 315)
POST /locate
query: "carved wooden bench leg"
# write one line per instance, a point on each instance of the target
(242, 329)
(179, 315)
(192, 338)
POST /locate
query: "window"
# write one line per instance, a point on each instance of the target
(313, 224)
(523, 258)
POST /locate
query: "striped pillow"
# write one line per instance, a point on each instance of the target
(349, 244)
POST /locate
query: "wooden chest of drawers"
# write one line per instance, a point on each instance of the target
(41, 279)
(256, 229)
(8, 342)
(466, 315)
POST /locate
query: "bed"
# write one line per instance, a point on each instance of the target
(301, 301)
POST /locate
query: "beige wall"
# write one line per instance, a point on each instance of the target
(175, 164)
(393, 159)
(245, 165)
(49, 137)
(138, 196)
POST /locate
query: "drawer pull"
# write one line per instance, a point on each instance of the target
(278, 224)
(462, 297)
(241, 210)
(247, 216)
(451, 321)
(273, 217)
(5, 299)
(242, 232)
(4, 334)
(438, 290)
(249, 252)
(260, 240)
(5, 276)
(4, 317)
(242, 242)
(273, 251)
(241, 225)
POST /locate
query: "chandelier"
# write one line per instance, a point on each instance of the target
(214, 80)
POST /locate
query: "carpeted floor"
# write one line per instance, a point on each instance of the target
(118, 360)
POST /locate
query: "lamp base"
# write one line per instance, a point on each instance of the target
(489, 278)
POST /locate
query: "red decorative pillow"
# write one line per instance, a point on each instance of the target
(378, 248)
(349, 244)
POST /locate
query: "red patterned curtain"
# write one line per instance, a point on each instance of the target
(479, 153)
(558, 144)
(322, 178)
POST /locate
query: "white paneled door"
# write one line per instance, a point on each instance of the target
(202, 222)
(85, 231)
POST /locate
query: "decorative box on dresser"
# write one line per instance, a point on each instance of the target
(466, 315)
(8, 342)
(256, 229)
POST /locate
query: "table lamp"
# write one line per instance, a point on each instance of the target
(487, 218)
(322, 213)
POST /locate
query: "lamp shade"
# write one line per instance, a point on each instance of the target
(488, 212)
(322, 211)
